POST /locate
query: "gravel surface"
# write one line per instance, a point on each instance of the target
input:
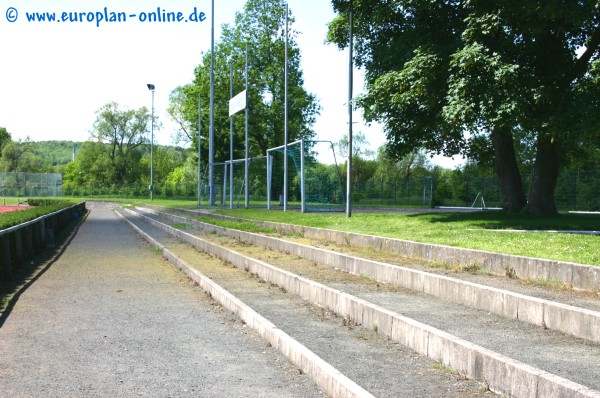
(557, 353)
(111, 318)
(554, 352)
(381, 366)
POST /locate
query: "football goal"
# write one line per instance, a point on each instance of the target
(314, 179)
(230, 192)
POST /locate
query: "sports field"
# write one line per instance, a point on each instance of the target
(8, 209)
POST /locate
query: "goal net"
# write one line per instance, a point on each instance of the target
(231, 192)
(314, 179)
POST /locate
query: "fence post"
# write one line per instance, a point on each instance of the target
(6, 263)
(18, 248)
(29, 241)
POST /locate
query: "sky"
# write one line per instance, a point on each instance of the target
(54, 76)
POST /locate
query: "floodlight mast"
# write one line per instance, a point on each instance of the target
(199, 149)
(211, 134)
(246, 163)
(350, 83)
(230, 139)
(285, 123)
(151, 187)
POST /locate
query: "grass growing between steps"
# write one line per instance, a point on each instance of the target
(478, 230)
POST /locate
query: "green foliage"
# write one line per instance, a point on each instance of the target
(261, 26)
(123, 131)
(525, 72)
(18, 156)
(4, 136)
(36, 156)
(43, 206)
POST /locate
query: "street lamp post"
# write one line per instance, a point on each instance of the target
(350, 86)
(151, 187)
(199, 150)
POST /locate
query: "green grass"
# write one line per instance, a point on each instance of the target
(10, 201)
(247, 226)
(181, 226)
(479, 230)
(42, 207)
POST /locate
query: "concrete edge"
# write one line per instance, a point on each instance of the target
(578, 322)
(579, 276)
(503, 374)
(330, 380)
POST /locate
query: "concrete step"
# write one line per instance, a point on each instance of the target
(579, 322)
(503, 373)
(344, 361)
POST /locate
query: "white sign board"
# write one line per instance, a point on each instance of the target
(237, 103)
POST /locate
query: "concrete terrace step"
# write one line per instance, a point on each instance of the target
(579, 322)
(370, 364)
(578, 276)
(503, 374)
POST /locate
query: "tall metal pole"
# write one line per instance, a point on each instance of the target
(230, 139)
(350, 83)
(152, 153)
(211, 137)
(247, 165)
(285, 128)
(151, 187)
(199, 151)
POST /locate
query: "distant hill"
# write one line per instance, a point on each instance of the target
(57, 154)
(54, 153)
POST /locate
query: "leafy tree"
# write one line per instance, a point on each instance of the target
(17, 156)
(4, 137)
(411, 165)
(177, 109)
(457, 77)
(166, 160)
(92, 167)
(360, 146)
(261, 26)
(123, 130)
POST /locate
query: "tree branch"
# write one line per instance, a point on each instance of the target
(581, 64)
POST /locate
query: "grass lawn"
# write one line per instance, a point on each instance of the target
(479, 230)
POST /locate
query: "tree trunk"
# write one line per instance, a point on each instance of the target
(544, 177)
(505, 159)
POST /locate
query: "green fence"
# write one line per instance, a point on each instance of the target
(31, 184)
(574, 191)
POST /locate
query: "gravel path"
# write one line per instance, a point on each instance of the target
(381, 366)
(111, 318)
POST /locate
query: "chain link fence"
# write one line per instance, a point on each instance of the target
(31, 184)
(576, 190)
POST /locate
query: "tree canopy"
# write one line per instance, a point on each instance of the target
(482, 78)
(123, 130)
(261, 27)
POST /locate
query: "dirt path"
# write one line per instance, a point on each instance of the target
(112, 318)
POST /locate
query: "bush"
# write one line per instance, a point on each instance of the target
(42, 207)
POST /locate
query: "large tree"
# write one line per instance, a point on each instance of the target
(4, 136)
(122, 131)
(260, 26)
(458, 76)
(17, 156)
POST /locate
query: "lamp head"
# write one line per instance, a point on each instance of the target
(150, 87)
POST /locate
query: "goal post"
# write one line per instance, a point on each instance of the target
(232, 192)
(315, 186)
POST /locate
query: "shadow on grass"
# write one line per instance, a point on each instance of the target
(32, 269)
(505, 220)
